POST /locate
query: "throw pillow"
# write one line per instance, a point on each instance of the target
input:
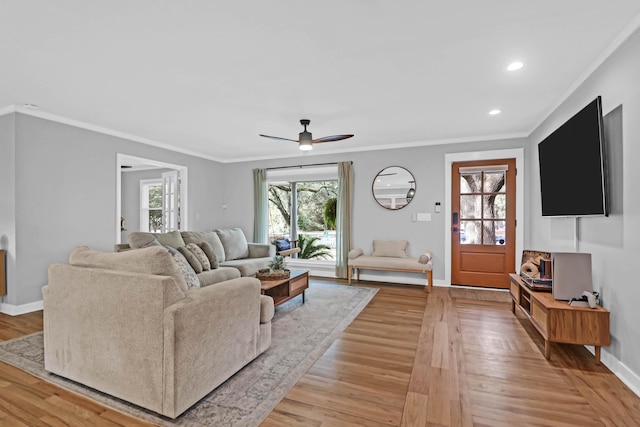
(199, 253)
(185, 269)
(211, 254)
(234, 242)
(206, 236)
(282, 245)
(390, 248)
(191, 259)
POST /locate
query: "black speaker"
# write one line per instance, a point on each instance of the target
(545, 268)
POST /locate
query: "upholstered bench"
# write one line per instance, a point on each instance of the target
(390, 255)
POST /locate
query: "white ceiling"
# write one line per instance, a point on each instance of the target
(206, 77)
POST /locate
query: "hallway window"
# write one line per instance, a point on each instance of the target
(151, 205)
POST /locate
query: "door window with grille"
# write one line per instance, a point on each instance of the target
(483, 193)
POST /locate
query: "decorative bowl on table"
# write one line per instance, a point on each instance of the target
(267, 274)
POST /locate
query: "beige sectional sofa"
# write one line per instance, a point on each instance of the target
(235, 256)
(125, 323)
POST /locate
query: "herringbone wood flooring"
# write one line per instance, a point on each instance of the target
(409, 359)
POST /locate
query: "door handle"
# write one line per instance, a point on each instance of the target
(454, 218)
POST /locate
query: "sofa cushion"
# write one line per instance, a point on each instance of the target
(390, 263)
(154, 260)
(218, 275)
(390, 248)
(138, 239)
(191, 259)
(206, 236)
(261, 250)
(234, 242)
(210, 253)
(249, 266)
(199, 253)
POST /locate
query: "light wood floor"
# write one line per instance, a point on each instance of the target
(409, 359)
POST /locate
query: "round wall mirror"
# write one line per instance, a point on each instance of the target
(394, 187)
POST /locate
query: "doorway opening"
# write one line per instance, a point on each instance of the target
(174, 204)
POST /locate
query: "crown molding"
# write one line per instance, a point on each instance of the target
(615, 44)
(106, 131)
(7, 110)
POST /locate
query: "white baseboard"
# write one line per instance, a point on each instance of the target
(620, 370)
(15, 310)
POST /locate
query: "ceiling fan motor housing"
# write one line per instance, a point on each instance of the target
(305, 140)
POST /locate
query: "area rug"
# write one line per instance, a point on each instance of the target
(480, 294)
(301, 333)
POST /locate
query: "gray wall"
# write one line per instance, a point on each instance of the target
(614, 242)
(7, 202)
(65, 186)
(370, 220)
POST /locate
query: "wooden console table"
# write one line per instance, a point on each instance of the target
(284, 290)
(559, 322)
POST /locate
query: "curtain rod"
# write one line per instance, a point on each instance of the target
(304, 166)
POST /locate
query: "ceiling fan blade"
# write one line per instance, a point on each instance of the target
(277, 137)
(331, 138)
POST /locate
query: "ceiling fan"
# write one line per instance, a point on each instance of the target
(305, 139)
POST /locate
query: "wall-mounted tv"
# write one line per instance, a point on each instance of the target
(573, 179)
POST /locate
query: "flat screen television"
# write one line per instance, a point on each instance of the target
(573, 179)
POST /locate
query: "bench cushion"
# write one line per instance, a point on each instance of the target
(414, 264)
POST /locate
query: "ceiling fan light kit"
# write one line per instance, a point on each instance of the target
(305, 138)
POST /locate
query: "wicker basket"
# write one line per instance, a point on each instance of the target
(266, 274)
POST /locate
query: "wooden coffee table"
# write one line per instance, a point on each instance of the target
(285, 289)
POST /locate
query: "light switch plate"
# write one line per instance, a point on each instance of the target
(424, 217)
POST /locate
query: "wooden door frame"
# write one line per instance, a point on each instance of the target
(449, 159)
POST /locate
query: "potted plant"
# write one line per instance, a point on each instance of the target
(277, 264)
(276, 270)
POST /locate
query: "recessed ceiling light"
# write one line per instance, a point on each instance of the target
(494, 112)
(30, 106)
(515, 66)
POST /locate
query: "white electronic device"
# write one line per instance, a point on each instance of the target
(571, 274)
(587, 299)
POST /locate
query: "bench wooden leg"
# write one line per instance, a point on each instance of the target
(349, 274)
(429, 286)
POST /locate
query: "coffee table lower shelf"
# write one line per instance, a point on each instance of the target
(286, 289)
